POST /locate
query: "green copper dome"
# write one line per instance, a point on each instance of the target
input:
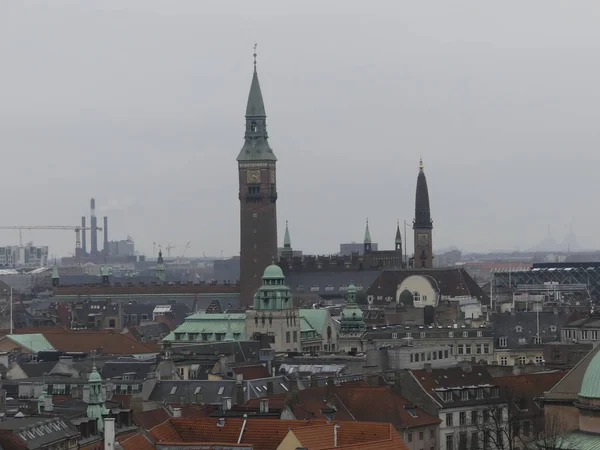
(351, 288)
(590, 387)
(273, 271)
(95, 376)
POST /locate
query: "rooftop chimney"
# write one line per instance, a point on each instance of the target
(109, 433)
(105, 247)
(93, 226)
(83, 234)
(176, 412)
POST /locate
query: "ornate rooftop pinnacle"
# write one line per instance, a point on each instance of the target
(420, 161)
(367, 234)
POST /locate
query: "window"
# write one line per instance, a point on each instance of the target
(504, 361)
(468, 349)
(474, 416)
(295, 336)
(486, 416)
(408, 335)
(486, 349)
(479, 334)
(461, 349)
(416, 297)
(594, 334)
(495, 392)
(486, 439)
(451, 334)
(518, 329)
(394, 335)
(287, 337)
(448, 396)
(464, 395)
(538, 340)
(475, 440)
(521, 360)
(431, 434)
(502, 342)
(526, 428)
(553, 328)
(449, 442)
(539, 359)
(462, 441)
(462, 418)
(409, 437)
(584, 335)
(478, 348)
(465, 334)
(421, 435)
(480, 393)
(416, 357)
(221, 390)
(173, 390)
(446, 353)
(422, 334)
(449, 421)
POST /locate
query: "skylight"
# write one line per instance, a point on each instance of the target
(173, 390)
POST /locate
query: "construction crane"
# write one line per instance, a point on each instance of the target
(76, 228)
(185, 248)
(168, 249)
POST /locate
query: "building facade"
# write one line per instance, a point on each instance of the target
(257, 195)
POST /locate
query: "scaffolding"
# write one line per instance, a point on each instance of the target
(576, 279)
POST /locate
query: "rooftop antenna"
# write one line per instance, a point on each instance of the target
(254, 54)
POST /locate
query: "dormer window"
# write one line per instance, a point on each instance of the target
(518, 329)
(537, 340)
(502, 342)
(448, 396)
(464, 395)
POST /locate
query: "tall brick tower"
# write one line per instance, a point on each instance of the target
(422, 225)
(258, 196)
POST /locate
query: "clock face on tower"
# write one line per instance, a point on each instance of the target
(253, 176)
(423, 239)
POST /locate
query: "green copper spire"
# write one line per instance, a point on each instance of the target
(352, 321)
(287, 242)
(256, 146)
(96, 399)
(367, 234)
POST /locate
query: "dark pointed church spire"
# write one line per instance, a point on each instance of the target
(398, 234)
(422, 210)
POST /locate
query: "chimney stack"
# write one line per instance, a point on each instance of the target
(93, 226)
(83, 241)
(176, 412)
(105, 236)
(109, 433)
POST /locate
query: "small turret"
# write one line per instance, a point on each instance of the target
(352, 320)
(398, 241)
(161, 273)
(287, 251)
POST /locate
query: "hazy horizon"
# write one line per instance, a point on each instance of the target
(140, 104)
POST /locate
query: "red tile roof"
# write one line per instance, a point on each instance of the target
(137, 441)
(108, 342)
(149, 419)
(252, 372)
(165, 432)
(522, 390)
(452, 377)
(351, 435)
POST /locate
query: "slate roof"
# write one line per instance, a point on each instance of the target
(592, 321)
(185, 391)
(241, 350)
(521, 329)
(302, 282)
(37, 369)
(117, 368)
(11, 429)
(436, 381)
(451, 283)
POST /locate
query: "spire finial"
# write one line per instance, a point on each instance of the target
(421, 163)
(254, 54)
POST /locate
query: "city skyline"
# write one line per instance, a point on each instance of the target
(138, 122)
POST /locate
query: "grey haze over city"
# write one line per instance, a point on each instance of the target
(141, 104)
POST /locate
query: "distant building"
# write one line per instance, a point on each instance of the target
(23, 256)
(121, 248)
(354, 247)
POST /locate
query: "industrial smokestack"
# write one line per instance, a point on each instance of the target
(93, 226)
(105, 236)
(83, 241)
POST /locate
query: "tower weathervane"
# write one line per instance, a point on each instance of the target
(254, 54)
(421, 163)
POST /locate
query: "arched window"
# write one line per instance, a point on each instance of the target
(253, 127)
(416, 297)
(329, 333)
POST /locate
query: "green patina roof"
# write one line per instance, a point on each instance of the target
(273, 271)
(574, 440)
(35, 342)
(228, 324)
(305, 326)
(315, 317)
(367, 234)
(256, 105)
(95, 376)
(590, 386)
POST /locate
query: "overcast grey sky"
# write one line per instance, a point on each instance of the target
(140, 103)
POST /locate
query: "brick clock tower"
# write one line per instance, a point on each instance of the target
(422, 225)
(258, 196)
